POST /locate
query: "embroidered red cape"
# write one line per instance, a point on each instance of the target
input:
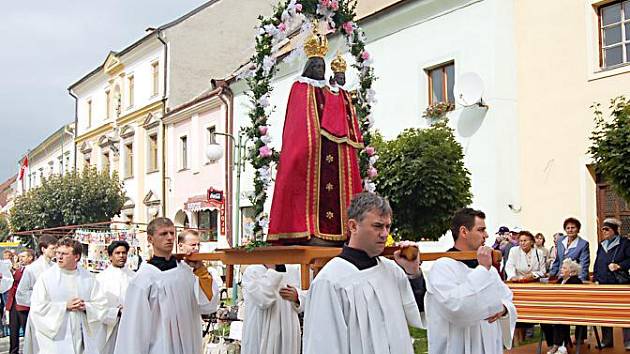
(318, 172)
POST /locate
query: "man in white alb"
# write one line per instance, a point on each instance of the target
(360, 302)
(47, 246)
(189, 242)
(66, 308)
(272, 301)
(113, 283)
(469, 309)
(163, 305)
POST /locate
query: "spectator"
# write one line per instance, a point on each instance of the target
(572, 246)
(524, 263)
(7, 266)
(561, 333)
(18, 314)
(540, 245)
(613, 258)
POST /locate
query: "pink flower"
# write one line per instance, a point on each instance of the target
(263, 129)
(365, 55)
(372, 172)
(325, 3)
(264, 151)
(282, 27)
(298, 7)
(334, 4)
(370, 151)
(348, 27)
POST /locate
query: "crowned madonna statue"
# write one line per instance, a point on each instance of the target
(318, 173)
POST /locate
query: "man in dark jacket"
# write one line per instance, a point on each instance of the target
(613, 256)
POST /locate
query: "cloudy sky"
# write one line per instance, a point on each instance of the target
(48, 45)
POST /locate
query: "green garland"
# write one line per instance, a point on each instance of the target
(339, 14)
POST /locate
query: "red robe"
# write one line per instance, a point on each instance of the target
(318, 173)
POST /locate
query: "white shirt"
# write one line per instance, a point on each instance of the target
(29, 277)
(360, 311)
(457, 303)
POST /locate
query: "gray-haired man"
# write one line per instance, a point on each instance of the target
(360, 302)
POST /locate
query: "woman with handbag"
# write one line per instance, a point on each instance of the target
(611, 267)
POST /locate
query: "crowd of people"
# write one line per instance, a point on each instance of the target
(567, 261)
(359, 302)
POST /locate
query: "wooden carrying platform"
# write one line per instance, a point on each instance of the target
(306, 256)
(579, 304)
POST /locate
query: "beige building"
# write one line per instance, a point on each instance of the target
(570, 53)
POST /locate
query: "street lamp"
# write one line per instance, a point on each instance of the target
(214, 152)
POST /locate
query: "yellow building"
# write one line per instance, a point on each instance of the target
(570, 53)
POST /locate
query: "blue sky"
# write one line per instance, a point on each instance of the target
(49, 45)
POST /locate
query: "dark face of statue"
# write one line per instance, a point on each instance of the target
(315, 69)
(340, 78)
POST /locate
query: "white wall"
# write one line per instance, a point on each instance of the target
(478, 36)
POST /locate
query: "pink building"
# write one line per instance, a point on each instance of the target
(197, 192)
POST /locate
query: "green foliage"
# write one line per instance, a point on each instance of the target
(4, 228)
(422, 174)
(611, 145)
(72, 199)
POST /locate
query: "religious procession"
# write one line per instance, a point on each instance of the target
(321, 176)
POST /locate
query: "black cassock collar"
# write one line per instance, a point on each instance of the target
(358, 258)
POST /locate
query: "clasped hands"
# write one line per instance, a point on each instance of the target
(75, 304)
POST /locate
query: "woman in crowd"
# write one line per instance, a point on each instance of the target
(572, 246)
(569, 274)
(540, 245)
(524, 262)
(611, 263)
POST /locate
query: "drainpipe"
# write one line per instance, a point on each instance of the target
(76, 124)
(225, 95)
(164, 98)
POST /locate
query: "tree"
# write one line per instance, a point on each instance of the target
(422, 174)
(611, 145)
(72, 199)
(4, 228)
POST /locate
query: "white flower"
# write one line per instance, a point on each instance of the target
(266, 139)
(264, 101)
(370, 121)
(373, 159)
(264, 174)
(268, 63)
(367, 63)
(370, 186)
(370, 96)
(262, 221)
(260, 31)
(271, 29)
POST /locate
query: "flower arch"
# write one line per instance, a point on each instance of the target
(289, 17)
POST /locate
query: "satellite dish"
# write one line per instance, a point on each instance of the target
(468, 89)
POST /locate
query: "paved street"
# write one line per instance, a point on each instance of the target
(4, 345)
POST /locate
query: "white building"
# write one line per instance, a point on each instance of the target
(54, 155)
(121, 104)
(411, 42)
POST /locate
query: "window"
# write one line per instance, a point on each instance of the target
(105, 163)
(155, 75)
(108, 104)
(128, 160)
(89, 113)
(60, 162)
(184, 152)
(207, 223)
(441, 81)
(130, 85)
(87, 160)
(614, 21)
(153, 152)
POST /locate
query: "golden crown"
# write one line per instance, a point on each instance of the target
(316, 45)
(338, 64)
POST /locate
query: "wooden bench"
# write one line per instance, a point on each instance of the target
(573, 304)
